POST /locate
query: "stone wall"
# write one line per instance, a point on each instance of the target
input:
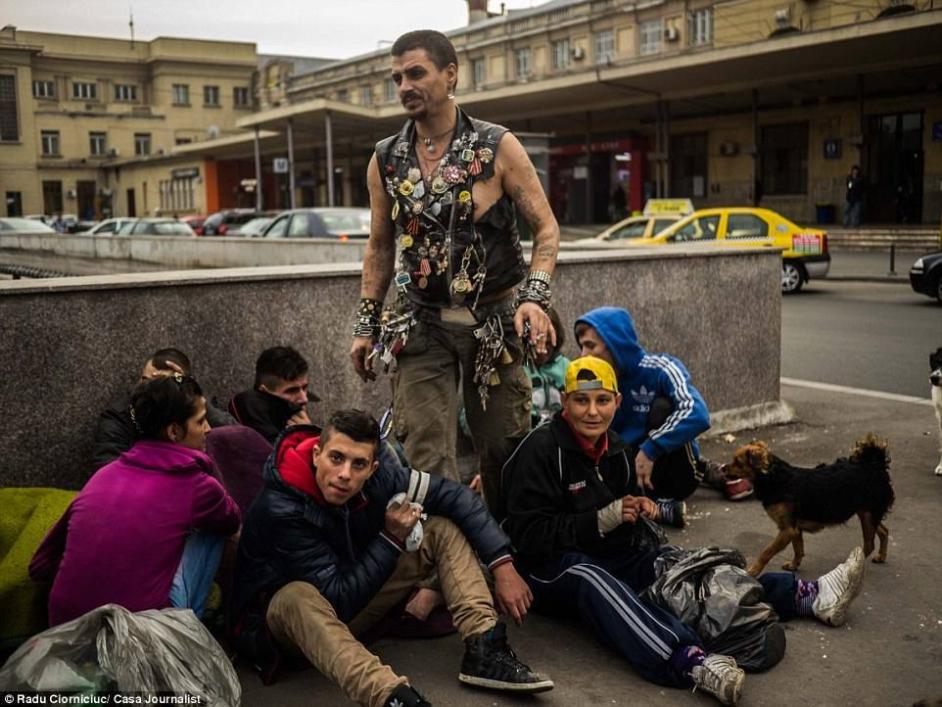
(70, 345)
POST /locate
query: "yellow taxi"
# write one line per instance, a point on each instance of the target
(805, 250)
(658, 215)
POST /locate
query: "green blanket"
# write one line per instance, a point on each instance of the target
(28, 514)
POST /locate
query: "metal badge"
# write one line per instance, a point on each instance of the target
(467, 154)
(406, 241)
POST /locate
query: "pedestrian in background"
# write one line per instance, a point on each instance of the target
(854, 197)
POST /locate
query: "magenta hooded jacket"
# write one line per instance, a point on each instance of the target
(121, 539)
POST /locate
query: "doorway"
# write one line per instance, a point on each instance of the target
(132, 204)
(894, 168)
(85, 193)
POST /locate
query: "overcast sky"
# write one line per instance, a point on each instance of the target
(326, 28)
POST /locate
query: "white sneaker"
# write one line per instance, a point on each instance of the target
(837, 589)
(721, 677)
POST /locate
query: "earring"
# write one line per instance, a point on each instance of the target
(451, 93)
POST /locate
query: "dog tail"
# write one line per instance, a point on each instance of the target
(873, 453)
(870, 449)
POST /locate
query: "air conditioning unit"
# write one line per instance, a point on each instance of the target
(783, 17)
(212, 132)
(671, 34)
(70, 194)
(113, 152)
(577, 53)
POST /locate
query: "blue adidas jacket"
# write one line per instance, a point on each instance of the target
(643, 377)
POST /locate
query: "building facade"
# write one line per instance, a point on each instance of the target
(723, 101)
(79, 115)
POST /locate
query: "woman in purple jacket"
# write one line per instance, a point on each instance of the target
(148, 529)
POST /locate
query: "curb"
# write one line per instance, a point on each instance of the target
(886, 279)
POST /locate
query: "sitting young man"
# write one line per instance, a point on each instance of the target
(660, 416)
(572, 518)
(115, 432)
(147, 531)
(332, 544)
(280, 396)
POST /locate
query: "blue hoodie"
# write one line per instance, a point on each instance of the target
(643, 377)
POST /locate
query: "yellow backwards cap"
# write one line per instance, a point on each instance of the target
(590, 373)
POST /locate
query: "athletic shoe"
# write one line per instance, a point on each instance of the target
(489, 662)
(406, 696)
(672, 513)
(737, 489)
(837, 589)
(721, 677)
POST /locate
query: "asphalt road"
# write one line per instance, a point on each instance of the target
(870, 335)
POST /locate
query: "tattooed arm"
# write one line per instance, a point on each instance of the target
(521, 183)
(378, 262)
(519, 180)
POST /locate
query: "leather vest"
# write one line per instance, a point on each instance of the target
(444, 257)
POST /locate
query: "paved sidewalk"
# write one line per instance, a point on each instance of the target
(889, 653)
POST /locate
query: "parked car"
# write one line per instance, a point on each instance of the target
(658, 215)
(155, 227)
(925, 276)
(194, 222)
(111, 226)
(256, 227)
(805, 250)
(227, 223)
(24, 225)
(339, 223)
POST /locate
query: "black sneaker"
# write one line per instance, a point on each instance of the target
(489, 662)
(406, 696)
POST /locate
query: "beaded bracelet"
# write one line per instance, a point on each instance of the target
(369, 308)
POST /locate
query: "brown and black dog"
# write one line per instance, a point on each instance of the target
(802, 500)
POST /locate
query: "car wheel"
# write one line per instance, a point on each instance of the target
(792, 278)
(938, 288)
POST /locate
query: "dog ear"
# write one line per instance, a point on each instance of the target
(759, 457)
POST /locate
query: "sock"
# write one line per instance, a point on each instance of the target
(685, 658)
(805, 593)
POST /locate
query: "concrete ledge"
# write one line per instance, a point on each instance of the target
(776, 412)
(71, 344)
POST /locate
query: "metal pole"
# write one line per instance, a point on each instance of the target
(258, 173)
(329, 137)
(667, 149)
(892, 259)
(588, 168)
(291, 164)
(755, 147)
(657, 149)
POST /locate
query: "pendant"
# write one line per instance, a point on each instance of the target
(406, 241)
(423, 282)
(461, 284)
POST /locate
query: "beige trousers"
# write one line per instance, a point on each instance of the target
(301, 619)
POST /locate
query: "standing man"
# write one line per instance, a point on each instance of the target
(442, 193)
(854, 197)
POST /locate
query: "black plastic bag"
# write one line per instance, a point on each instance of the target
(112, 649)
(710, 591)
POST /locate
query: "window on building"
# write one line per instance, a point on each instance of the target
(49, 140)
(701, 26)
(84, 91)
(180, 93)
(52, 197)
(9, 121)
(14, 202)
(97, 144)
(604, 46)
(784, 157)
(343, 95)
(44, 89)
(389, 91)
(240, 97)
(141, 143)
(125, 92)
(561, 55)
(652, 35)
(210, 95)
(176, 194)
(523, 61)
(478, 72)
(182, 141)
(366, 95)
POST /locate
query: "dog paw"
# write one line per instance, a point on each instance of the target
(790, 566)
(938, 469)
(877, 559)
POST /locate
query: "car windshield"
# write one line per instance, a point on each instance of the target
(346, 221)
(256, 225)
(629, 230)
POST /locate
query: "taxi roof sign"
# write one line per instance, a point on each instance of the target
(681, 207)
